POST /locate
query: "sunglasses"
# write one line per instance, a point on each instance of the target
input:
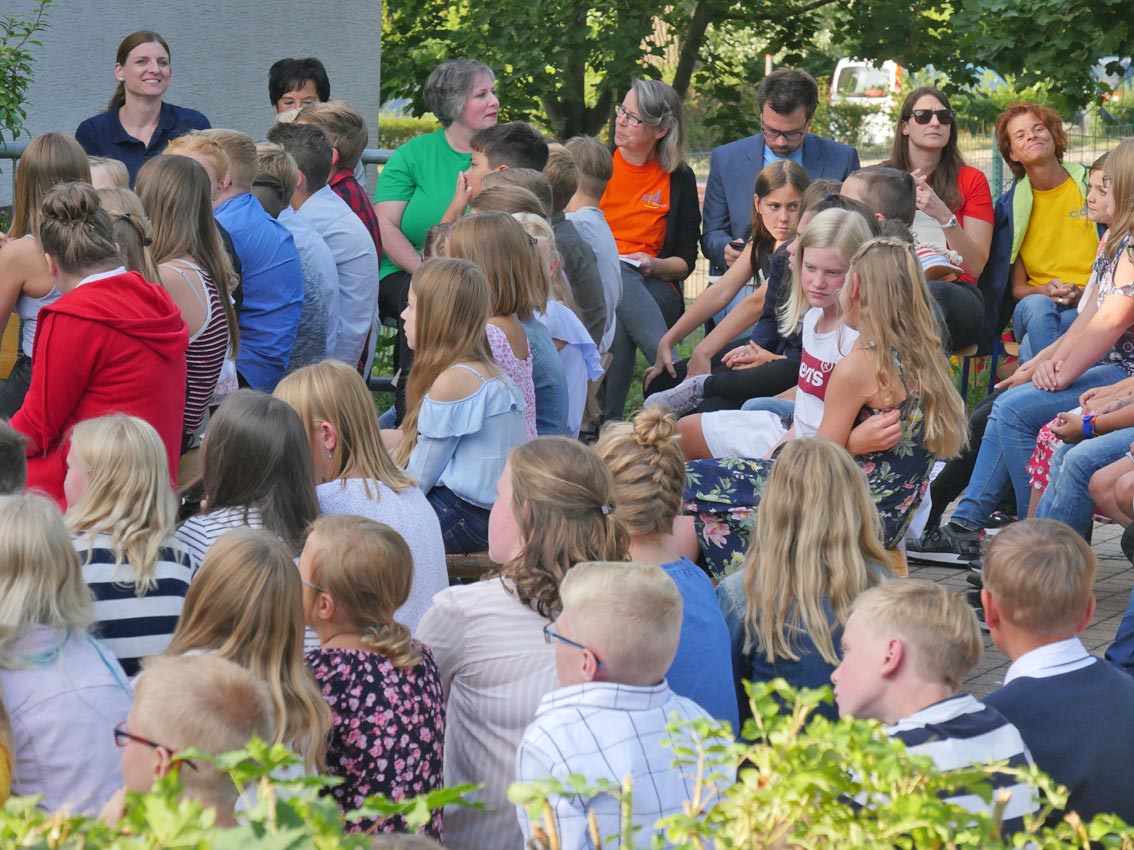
(924, 116)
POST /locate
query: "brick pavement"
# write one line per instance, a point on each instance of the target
(1112, 591)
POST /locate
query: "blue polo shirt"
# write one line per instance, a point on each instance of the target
(103, 135)
(272, 286)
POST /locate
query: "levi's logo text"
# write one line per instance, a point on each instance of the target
(653, 200)
(813, 375)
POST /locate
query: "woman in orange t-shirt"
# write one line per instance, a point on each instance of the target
(653, 211)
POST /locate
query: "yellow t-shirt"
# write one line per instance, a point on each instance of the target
(635, 205)
(1060, 243)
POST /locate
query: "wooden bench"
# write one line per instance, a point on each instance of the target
(470, 567)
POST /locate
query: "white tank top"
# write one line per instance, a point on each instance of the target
(821, 353)
(27, 308)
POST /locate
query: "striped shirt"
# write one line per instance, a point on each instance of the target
(604, 731)
(200, 532)
(495, 668)
(959, 732)
(207, 347)
(134, 627)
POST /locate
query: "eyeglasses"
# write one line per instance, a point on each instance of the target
(314, 587)
(786, 135)
(924, 116)
(633, 120)
(549, 633)
(122, 737)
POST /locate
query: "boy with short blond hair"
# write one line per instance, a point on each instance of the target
(614, 641)
(13, 460)
(907, 648)
(202, 702)
(1074, 711)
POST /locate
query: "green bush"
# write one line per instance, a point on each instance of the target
(395, 130)
(797, 773)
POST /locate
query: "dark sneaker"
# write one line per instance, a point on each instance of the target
(1127, 542)
(681, 399)
(948, 545)
(976, 574)
(997, 521)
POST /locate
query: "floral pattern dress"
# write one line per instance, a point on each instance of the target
(723, 494)
(389, 729)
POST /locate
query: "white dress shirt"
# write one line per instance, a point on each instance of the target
(1051, 659)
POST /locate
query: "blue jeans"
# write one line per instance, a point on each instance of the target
(1038, 321)
(779, 406)
(1010, 439)
(1121, 651)
(464, 526)
(1067, 498)
(643, 318)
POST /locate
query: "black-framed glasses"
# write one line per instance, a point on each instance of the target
(787, 135)
(633, 120)
(924, 116)
(121, 737)
(549, 633)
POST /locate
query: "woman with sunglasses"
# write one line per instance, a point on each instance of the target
(953, 201)
(653, 211)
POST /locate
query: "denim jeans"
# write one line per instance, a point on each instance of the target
(643, 318)
(1038, 321)
(1121, 651)
(550, 382)
(779, 406)
(464, 526)
(1067, 498)
(1010, 439)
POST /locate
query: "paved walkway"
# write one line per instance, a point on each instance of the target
(1112, 591)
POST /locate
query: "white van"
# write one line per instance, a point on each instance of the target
(867, 84)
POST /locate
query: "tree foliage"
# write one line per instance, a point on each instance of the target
(18, 38)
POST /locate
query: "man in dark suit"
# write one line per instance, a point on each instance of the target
(787, 104)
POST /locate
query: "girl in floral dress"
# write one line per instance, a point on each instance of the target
(383, 687)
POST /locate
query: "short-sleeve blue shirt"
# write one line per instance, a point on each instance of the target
(104, 135)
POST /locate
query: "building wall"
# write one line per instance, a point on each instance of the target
(222, 50)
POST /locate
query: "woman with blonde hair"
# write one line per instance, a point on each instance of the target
(63, 690)
(195, 271)
(578, 353)
(383, 687)
(256, 472)
(26, 284)
(354, 474)
(555, 508)
(816, 547)
(132, 230)
(122, 511)
(246, 605)
(463, 415)
(644, 457)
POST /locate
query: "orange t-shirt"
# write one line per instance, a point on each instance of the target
(635, 205)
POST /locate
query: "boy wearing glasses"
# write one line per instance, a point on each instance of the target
(191, 701)
(614, 640)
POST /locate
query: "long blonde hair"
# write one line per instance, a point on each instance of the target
(818, 545)
(540, 229)
(49, 159)
(498, 244)
(132, 230)
(897, 328)
(844, 231)
(333, 392)
(645, 458)
(452, 307)
(246, 605)
(175, 193)
(1119, 167)
(367, 569)
(41, 583)
(563, 502)
(128, 496)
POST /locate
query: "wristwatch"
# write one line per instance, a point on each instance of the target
(952, 222)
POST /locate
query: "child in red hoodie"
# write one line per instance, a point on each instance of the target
(113, 343)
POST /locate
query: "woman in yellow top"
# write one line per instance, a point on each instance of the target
(651, 206)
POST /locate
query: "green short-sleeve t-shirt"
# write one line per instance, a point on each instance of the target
(423, 173)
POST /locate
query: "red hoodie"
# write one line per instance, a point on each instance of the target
(113, 345)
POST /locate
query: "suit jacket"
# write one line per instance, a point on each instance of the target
(732, 176)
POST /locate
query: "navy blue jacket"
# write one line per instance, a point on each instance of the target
(727, 209)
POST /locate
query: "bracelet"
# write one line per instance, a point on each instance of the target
(1089, 425)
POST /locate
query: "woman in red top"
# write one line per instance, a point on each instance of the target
(951, 195)
(112, 343)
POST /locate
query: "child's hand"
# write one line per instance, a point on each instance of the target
(663, 360)
(462, 194)
(1046, 375)
(880, 433)
(1068, 427)
(115, 808)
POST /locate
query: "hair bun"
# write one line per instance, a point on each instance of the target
(654, 425)
(71, 203)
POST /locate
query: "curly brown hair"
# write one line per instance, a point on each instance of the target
(1047, 117)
